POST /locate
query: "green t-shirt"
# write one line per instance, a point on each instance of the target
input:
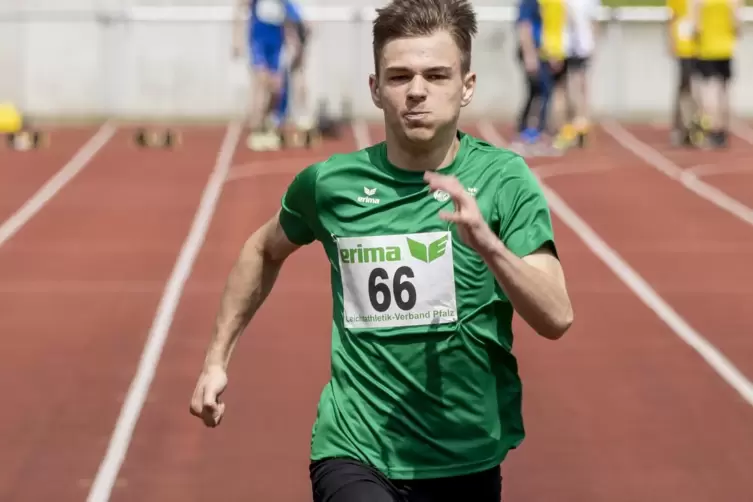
(423, 382)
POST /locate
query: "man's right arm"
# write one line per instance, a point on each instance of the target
(250, 281)
(256, 269)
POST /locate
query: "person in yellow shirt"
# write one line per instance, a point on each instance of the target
(683, 48)
(716, 30)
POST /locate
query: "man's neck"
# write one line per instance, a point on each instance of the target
(440, 153)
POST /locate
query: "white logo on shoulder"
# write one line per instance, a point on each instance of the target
(369, 199)
(441, 195)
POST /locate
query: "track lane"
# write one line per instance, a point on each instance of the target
(23, 173)
(693, 253)
(81, 282)
(729, 170)
(260, 452)
(620, 409)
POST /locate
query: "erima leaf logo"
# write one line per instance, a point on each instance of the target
(428, 253)
(369, 191)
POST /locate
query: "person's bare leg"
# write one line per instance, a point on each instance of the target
(713, 100)
(259, 99)
(725, 109)
(300, 102)
(579, 95)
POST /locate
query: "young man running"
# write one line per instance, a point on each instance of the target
(434, 238)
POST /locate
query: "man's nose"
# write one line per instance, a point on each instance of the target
(418, 88)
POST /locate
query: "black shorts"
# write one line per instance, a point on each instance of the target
(714, 68)
(686, 67)
(575, 63)
(346, 480)
(558, 76)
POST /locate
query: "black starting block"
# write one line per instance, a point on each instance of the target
(150, 138)
(26, 140)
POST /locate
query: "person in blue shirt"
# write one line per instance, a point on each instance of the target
(538, 72)
(272, 26)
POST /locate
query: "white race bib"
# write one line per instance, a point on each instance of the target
(270, 12)
(397, 280)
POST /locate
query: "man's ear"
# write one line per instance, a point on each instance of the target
(374, 89)
(469, 87)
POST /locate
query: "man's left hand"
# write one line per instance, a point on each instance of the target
(472, 228)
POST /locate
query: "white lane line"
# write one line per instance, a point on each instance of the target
(713, 356)
(129, 414)
(74, 166)
(655, 159)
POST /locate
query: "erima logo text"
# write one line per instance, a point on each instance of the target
(418, 250)
(369, 199)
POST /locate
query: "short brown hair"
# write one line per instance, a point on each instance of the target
(413, 18)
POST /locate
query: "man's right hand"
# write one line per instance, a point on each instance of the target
(205, 402)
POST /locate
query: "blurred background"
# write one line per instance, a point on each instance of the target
(96, 237)
(160, 59)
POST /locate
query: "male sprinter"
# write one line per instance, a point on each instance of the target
(266, 39)
(451, 236)
(717, 28)
(682, 44)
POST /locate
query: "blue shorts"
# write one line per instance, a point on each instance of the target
(265, 55)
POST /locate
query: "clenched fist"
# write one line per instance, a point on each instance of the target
(205, 402)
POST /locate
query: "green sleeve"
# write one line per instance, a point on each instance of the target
(524, 215)
(298, 211)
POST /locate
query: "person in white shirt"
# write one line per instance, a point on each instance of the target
(583, 21)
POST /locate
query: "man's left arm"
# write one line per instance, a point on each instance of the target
(521, 255)
(534, 284)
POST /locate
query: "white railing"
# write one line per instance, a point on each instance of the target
(158, 61)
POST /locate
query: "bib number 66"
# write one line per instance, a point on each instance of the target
(403, 291)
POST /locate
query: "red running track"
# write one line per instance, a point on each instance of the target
(22, 174)
(619, 410)
(80, 284)
(622, 409)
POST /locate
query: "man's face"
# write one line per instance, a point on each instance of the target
(420, 86)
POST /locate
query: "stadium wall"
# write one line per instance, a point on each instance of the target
(159, 60)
